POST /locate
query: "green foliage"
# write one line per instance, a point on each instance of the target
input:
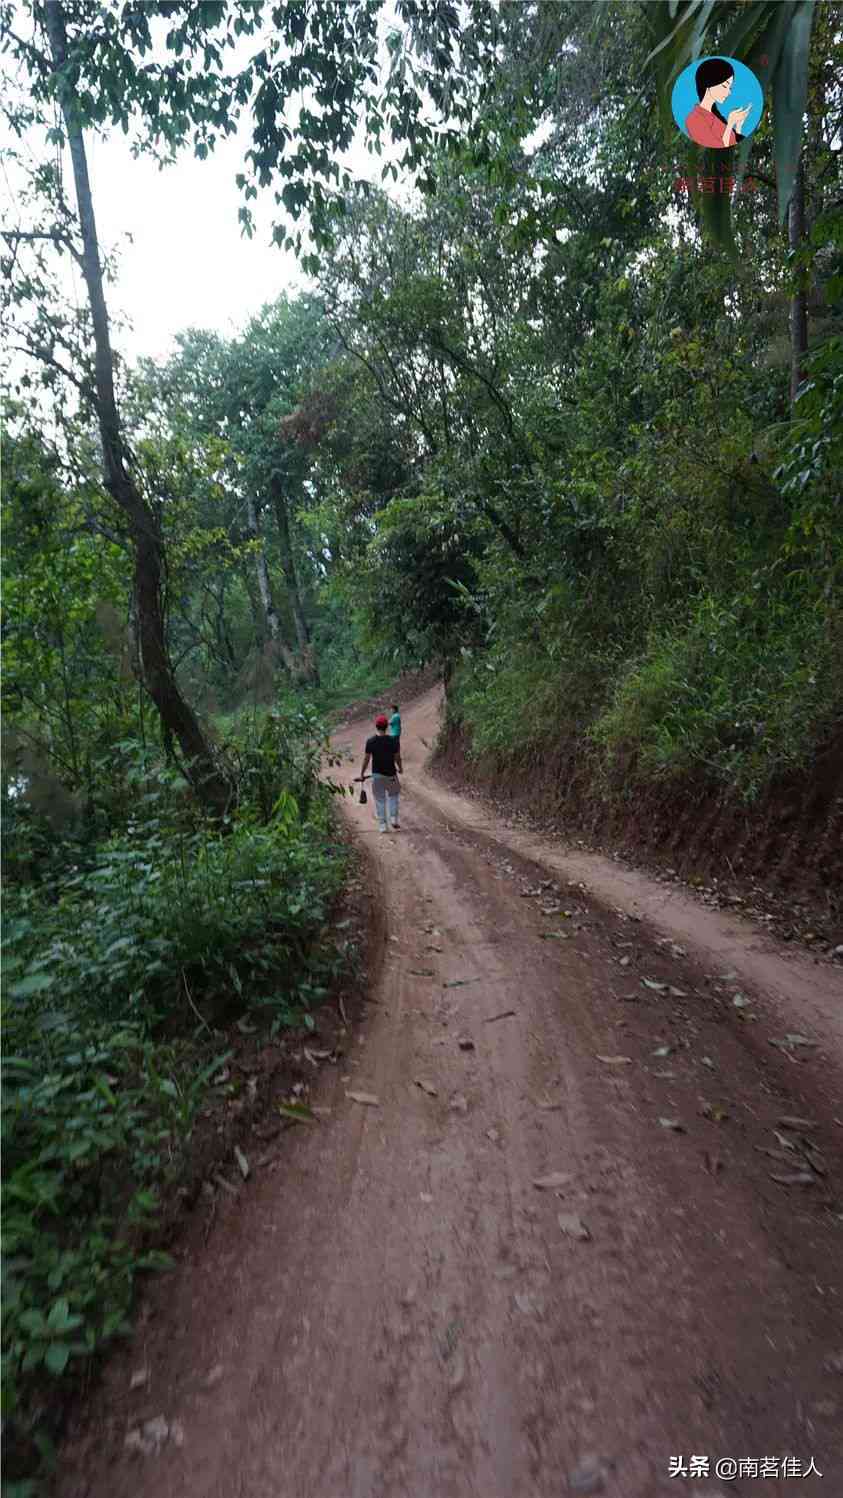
(741, 692)
(117, 967)
(528, 425)
(411, 586)
(95, 1117)
(67, 683)
(689, 615)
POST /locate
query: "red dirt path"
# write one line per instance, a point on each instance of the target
(395, 1310)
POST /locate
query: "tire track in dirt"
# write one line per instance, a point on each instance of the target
(396, 1311)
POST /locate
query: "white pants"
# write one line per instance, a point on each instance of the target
(385, 793)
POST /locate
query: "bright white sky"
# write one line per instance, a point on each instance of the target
(183, 261)
(188, 264)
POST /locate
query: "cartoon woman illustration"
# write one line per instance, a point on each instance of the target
(705, 124)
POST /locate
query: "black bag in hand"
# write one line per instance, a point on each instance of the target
(363, 798)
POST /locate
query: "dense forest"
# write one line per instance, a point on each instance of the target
(555, 414)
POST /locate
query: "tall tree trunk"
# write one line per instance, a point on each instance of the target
(799, 300)
(307, 670)
(253, 595)
(177, 717)
(270, 613)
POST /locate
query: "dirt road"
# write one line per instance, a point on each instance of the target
(400, 1311)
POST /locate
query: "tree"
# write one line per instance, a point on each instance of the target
(67, 699)
(55, 75)
(94, 65)
(240, 392)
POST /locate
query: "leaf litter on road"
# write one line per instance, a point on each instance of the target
(427, 1087)
(297, 1112)
(553, 1181)
(715, 1112)
(368, 1099)
(573, 1226)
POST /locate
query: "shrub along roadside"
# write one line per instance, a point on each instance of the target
(114, 975)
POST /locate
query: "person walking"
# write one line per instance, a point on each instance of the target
(395, 725)
(384, 751)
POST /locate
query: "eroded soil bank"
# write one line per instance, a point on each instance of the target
(782, 856)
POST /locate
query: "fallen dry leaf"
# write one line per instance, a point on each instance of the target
(656, 987)
(672, 1123)
(226, 1185)
(798, 1178)
(298, 1112)
(242, 1162)
(526, 1304)
(615, 1060)
(793, 1042)
(367, 1098)
(788, 1122)
(573, 1226)
(551, 1182)
(427, 1087)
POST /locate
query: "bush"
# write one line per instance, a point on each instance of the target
(115, 969)
(743, 690)
(94, 1117)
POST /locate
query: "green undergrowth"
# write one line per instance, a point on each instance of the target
(125, 957)
(735, 689)
(691, 625)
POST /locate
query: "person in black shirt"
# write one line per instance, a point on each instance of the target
(385, 755)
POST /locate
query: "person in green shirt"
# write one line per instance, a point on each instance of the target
(395, 725)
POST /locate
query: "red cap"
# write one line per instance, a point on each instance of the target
(382, 721)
